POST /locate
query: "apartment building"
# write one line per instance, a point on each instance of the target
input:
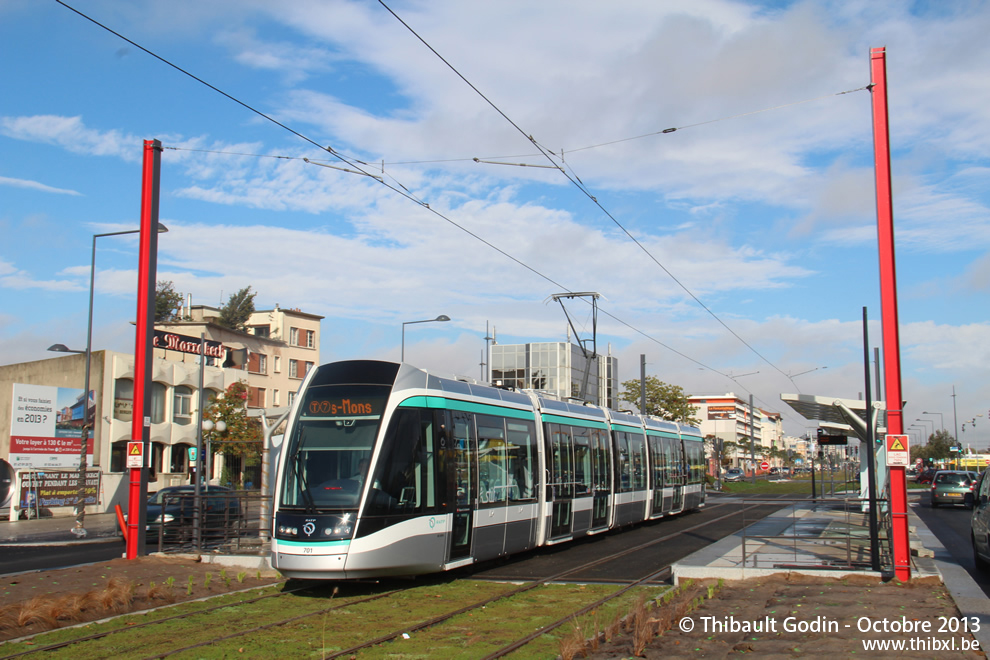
(272, 357)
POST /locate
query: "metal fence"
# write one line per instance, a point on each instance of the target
(827, 533)
(230, 522)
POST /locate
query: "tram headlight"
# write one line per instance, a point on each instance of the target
(343, 529)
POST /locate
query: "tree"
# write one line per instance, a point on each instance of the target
(243, 435)
(662, 400)
(168, 302)
(237, 311)
(937, 447)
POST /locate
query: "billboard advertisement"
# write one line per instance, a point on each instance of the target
(721, 412)
(46, 427)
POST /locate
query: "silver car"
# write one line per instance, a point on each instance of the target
(734, 474)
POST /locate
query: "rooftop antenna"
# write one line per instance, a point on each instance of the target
(583, 343)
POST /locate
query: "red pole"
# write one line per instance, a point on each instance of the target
(143, 352)
(888, 305)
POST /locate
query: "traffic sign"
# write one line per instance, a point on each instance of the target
(898, 454)
(764, 466)
(135, 454)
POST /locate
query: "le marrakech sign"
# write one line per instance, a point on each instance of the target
(171, 341)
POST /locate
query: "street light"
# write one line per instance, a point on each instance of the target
(80, 529)
(203, 461)
(941, 422)
(441, 318)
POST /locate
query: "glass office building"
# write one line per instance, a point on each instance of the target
(556, 367)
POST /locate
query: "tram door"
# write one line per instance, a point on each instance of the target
(600, 480)
(659, 467)
(464, 477)
(560, 486)
(675, 471)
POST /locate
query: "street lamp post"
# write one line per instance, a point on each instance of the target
(441, 318)
(941, 420)
(927, 421)
(80, 529)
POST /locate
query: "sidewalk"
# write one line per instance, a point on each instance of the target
(57, 530)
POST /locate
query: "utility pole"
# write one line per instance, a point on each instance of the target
(888, 304)
(642, 383)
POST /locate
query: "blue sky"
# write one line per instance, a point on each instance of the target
(761, 204)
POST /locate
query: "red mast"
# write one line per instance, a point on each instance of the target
(888, 304)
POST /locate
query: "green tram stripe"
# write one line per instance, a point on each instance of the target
(465, 406)
(558, 419)
(662, 434)
(627, 429)
(312, 543)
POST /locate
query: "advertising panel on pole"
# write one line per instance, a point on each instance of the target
(721, 412)
(46, 427)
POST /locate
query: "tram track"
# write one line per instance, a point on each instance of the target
(653, 577)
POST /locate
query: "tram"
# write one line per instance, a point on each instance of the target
(387, 470)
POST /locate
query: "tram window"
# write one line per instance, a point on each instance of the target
(600, 450)
(622, 464)
(637, 459)
(322, 462)
(695, 458)
(582, 460)
(656, 457)
(520, 454)
(492, 474)
(561, 462)
(404, 480)
(463, 430)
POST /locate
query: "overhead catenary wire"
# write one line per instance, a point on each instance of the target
(402, 190)
(580, 185)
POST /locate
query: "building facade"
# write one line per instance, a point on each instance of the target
(556, 367)
(727, 417)
(271, 367)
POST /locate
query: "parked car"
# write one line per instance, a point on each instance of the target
(979, 524)
(734, 474)
(953, 487)
(171, 512)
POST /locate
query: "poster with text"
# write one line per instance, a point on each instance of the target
(46, 427)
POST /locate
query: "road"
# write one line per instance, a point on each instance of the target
(950, 524)
(20, 557)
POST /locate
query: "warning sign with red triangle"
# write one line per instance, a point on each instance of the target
(135, 454)
(897, 451)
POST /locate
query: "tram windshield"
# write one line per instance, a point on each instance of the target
(330, 448)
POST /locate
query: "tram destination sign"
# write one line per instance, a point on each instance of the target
(345, 406)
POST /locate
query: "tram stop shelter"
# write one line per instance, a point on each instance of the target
(849, 417)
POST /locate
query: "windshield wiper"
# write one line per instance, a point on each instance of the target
(307, 496)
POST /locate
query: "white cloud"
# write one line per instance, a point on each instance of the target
(72, 135)
(34, 185)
